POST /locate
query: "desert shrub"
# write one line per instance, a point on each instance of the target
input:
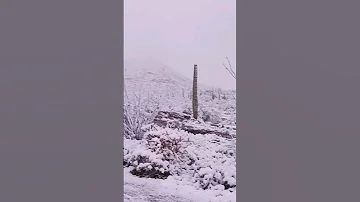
(145, 163)
(206, 161)
(210, 114)
(154, 156)
(171, 143)
(138, 113)
(215, 165)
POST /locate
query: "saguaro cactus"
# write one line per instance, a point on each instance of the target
(213, 96)
(195, 96)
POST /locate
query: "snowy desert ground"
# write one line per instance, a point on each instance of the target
(169, 156)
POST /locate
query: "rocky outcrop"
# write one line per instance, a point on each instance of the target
(187, 123)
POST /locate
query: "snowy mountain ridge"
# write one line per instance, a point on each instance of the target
(153, 77)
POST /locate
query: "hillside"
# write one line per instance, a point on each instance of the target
(156, 77)
(168, 155)
(151, 79)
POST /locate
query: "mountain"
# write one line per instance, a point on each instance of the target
(154, 77)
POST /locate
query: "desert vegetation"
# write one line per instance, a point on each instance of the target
(176, 128)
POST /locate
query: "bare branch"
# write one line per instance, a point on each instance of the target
(231, 73)
(229, 69)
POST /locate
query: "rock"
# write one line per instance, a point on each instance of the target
(187, 123)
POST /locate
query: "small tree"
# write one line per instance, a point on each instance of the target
(195, 96)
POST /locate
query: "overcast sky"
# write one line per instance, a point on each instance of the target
(183, 33)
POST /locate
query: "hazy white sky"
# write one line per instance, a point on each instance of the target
(181, 33)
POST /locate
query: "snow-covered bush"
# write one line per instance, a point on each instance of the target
(210, 114)
(138, 113)
(144, 163)
(170, 143)
(154, 155)
(215, 166)
(206, 161)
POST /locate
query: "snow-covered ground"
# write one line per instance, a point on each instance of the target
(169, 190)
(194, 167)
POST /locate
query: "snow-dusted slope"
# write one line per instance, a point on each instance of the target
(213, 157)
(172, 91)
(156, 78)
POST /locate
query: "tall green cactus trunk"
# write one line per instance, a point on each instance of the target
(195, 95)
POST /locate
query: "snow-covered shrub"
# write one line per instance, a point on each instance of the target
(150, 165)
(156, 153)
(215, 165)
(138, 113)
(144, 163)
(210, 114)
(207, 161)
(170, 143)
